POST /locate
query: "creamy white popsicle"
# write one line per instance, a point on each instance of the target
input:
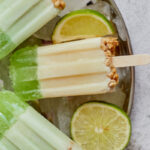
(75, 68)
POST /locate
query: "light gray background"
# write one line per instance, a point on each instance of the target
(136, 14)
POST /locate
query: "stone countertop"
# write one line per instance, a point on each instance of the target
(136, 14)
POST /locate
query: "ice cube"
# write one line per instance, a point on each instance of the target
(72, 5)
(121, 30)
(46, 32)
(58, 111)
(117, 97)
(64, 115)
(1, 84)
(49, 108)
(102, 7)
(4, 74)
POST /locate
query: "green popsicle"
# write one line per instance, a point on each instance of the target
(19, 19)
(22, 128)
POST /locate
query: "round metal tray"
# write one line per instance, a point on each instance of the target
(60, 110)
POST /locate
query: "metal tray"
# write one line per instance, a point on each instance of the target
(60, 110)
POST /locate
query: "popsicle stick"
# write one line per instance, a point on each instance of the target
(131, 60)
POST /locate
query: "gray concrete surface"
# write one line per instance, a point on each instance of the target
(136, 14)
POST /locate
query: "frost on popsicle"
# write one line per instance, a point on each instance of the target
(19, 19)
(22, 128)
(75, 68)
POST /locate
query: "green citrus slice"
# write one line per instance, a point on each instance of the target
(82, 24)
(100, 126)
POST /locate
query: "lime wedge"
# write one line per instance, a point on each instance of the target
(82, 24)
(100, 126)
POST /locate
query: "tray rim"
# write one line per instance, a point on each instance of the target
(132, 69)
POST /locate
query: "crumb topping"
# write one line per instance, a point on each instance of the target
(109, 46)
(60, 4)
(71, 145)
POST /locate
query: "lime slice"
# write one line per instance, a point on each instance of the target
(82, 24)
(100, 126)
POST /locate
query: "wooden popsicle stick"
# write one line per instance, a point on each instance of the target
(131, 60)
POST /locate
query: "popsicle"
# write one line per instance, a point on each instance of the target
(75, 68)
(22, 128)
(19, 19)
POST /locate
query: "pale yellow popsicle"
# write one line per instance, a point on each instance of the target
(75, 68)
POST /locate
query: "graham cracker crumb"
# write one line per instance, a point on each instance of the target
(60, 4)
(109, 45)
